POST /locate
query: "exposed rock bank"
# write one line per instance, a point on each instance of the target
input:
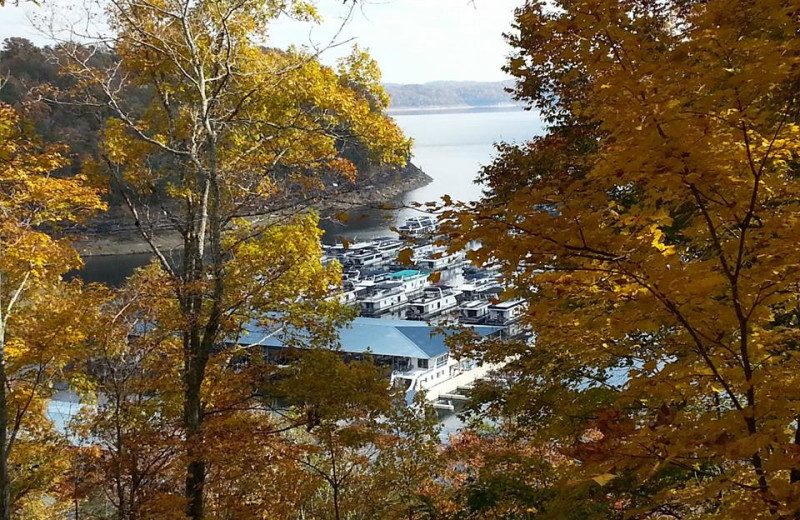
(115, 233)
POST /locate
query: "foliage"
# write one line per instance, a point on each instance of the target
(40, 315)
(409, 464)
(230, 128)
(369, 452)
(653, 230)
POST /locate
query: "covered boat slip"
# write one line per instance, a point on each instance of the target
(415, 352)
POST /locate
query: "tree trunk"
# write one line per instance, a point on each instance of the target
(334, 478)
(336, 502)
(794, 475)
(196, 470)
(194, 371)
(5, 480)
(201, 335)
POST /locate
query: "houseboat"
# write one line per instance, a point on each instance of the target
(505, 313)
(383, 298)
(412, 281)
(364, 258)
(389, 248)
(439, 260)
(418, 226)
(340, 250)
(474, 311)
(433, 302)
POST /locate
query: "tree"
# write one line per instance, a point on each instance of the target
(341, 403)
(40, 315)
(135, 364)
(232, 129)
(409, 461)
(131, 432)
(653, 230)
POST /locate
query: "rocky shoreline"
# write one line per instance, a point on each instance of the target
(127, 240)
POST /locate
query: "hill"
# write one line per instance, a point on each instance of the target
(28, 71)
(450, 94)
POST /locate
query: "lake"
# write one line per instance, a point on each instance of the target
(449, 145)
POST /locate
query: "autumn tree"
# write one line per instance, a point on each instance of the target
(137, 423)
(407, 468)
(128, 437)
(233, 128)
(40, 315)
(341, 404)
(653, 230)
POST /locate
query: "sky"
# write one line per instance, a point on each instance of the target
(414, 41)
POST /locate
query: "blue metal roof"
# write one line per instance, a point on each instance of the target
(398, 338)
(432, 344)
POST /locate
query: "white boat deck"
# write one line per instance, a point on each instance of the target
(462, 380)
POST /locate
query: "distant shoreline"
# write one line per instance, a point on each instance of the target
(409, 110)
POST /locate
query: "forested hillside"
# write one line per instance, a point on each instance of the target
(449, 94)
(34, 80)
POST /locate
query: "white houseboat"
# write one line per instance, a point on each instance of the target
(505, 313)
(474, 311)
(389, 248)
(417, 226)
(384, 298)
(439, 260)
(433, 302)
(412, 281)
(340, 250)
(480, 288)
(364, 258)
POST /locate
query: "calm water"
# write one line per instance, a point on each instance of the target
(450, 146)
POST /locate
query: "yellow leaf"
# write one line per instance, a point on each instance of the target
(604, 479)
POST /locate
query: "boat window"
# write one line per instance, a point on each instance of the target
(422, 363)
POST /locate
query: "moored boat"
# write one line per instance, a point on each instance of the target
(434, 301)
(418, 226)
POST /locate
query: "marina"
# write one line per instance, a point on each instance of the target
(406, 316)
(450, 147)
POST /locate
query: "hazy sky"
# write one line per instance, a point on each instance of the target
(413, 40)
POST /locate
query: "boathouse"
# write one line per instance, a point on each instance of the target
(414, 351)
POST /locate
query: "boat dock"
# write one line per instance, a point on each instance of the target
(446, 394)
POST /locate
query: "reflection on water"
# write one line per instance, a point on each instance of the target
(112, 269)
